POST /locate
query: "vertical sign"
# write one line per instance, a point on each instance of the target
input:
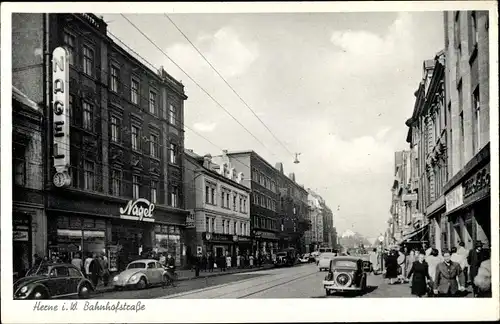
(60, 108)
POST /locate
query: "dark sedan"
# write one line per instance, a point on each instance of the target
(55, 280)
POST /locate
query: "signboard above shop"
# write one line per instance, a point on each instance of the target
(454, 199)
(139, 210)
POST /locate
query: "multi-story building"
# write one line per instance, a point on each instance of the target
(220, 204)
(327, 226)
(29, 224)
(114, 133)
(467, 192)
(399, 187)
(265, 222)
(293, 211)
(316, 205)
(428, 136)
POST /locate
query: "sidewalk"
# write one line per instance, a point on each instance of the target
(190, 275)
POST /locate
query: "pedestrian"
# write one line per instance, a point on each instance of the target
(433, 260)
(104, 269)
(211, 262)
(449, 277)
(94, 270)
(402, 266)
(474, 260)
(391, 266)
(238, 261)
(228, 261)
(204, 260)
(163, 260)
(374, 261)
(86, 265)
(420, 272)
(77, 262)
(171, 268)
(463, 252)
(482, 281)
(251, 260)
(197, 265)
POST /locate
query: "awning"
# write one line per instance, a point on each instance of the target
(415, 232)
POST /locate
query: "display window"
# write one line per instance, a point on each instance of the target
(168, 240)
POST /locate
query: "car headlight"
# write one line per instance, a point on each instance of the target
(24, 289)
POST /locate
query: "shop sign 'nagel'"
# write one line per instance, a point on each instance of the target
(141, 210)
(61, 118)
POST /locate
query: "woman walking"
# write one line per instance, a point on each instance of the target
(392, 266)
(420, 272)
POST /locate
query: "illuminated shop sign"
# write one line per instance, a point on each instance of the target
(140, 210)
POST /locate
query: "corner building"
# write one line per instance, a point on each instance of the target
(467, 193)
(123, 146)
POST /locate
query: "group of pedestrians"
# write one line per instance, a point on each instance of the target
(208, 262)
(445, 274)
(95, 267)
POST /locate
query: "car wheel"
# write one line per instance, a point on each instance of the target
(39, 294)
(328, 292)
(84, 291)
(142, 284)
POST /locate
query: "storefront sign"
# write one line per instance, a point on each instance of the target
(20, 236)
(61, 118)
(454, 199)
(479, 181)
(141, 210)
(266, 235)
(243, 239)
(215, 237)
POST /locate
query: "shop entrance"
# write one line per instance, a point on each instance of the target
(21, 247)
(133, 241)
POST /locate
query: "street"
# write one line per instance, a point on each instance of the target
(303, 281)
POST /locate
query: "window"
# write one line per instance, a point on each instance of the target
(173, 153)
(241, 229)
(174, 195)
(88, 180)
(116, 181)
(227, 227)
(88, 60)
(69, 40)
(172, 114)
(153, 146)
(152, 102)
(88, 113)
(212, 201)
(134, 91)
(19, 164)
(227, 201)
(241, 204)
(222, 199)
(234, 202)
(135, 137)
(223, 226)
(154, 188)
(213, 225)
(245, 229)
(207, 224)
(135, 187)
(114, 78)
(477, 118)
(244, 205)
(115, 129)
(207, 194)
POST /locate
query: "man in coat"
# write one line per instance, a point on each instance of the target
(474, 259)
(447, 273)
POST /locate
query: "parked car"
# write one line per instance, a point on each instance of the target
(324, 260)
(141, 274)
(345, 274)
(53, 280)
(287, 257)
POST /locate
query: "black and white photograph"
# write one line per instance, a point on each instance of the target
(340, 155)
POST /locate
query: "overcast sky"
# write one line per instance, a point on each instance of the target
(335, 87)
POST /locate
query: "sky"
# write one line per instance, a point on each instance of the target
(334, 87)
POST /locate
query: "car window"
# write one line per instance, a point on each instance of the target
(74, 272)
(151, 265)
(158, 265)
(346, 263)
(59, 272)
(136, 265)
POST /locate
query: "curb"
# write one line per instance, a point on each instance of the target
(111, 288)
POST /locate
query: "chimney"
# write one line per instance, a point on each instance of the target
(207, 160)
(279, 167)
(292, 176)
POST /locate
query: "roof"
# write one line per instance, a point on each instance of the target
(347, 258)
(144, 260)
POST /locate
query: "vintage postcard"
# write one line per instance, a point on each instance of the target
(324, 161)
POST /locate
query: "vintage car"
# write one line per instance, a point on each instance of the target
(286, 257)
(141, 274)
(346, 273)
(53, 280)
(324, 260)
(306, 258)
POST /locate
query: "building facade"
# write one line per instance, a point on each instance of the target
(328, 226)
(220, 204)
(467, 193)
(316, 205)
(29, 222)
(114, 133)
(263, 203)
(292, 210)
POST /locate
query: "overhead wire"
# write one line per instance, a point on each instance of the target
(196, 83)
(227, 83)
